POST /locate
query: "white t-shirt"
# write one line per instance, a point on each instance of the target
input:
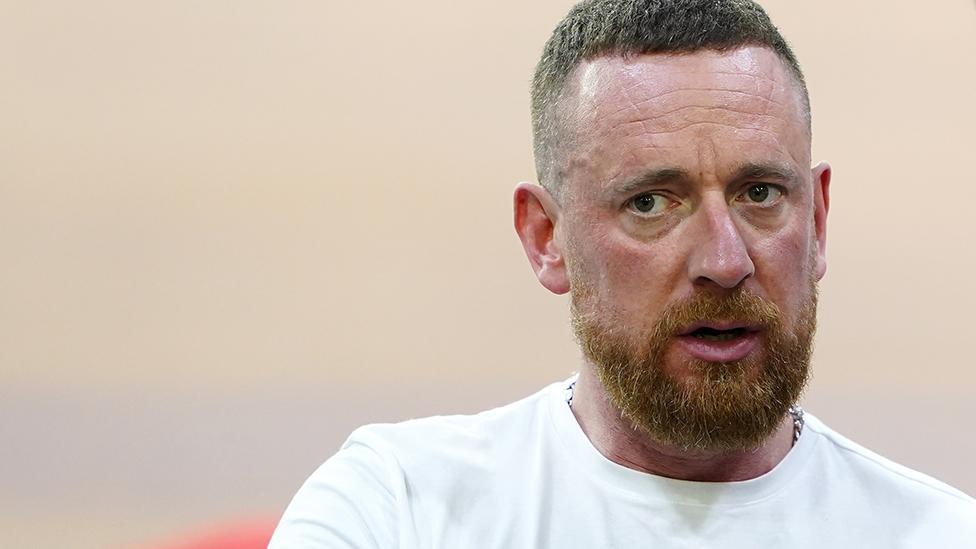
(526, 476)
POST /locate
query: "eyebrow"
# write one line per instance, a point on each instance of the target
(759, 170)
(650, 178)
(749, 170)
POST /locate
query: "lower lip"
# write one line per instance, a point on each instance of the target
(720, 351)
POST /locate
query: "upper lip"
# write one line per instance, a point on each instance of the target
(719, 325)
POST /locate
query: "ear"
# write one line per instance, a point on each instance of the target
(536, 217)
(821, 204)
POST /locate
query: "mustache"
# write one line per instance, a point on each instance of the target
(740, 308)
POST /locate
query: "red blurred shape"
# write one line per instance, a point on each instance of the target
(253, 534)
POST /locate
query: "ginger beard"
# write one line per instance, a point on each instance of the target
(717, 406)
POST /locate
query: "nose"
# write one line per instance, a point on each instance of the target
(720, 256)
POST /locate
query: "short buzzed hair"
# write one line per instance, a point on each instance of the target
(635, 27)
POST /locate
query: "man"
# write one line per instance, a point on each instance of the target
(679, 208)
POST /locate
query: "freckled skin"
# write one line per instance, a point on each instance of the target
(706, 114)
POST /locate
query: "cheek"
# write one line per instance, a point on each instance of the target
(784, 266)
(632, 280)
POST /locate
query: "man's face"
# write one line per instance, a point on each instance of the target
(693, 232)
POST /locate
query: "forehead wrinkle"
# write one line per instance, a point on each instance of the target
(637, 81)
(601, 77)
(663, 123)
(649, 130)
(767, 97)
(635, 155)
(760, 65)
(636, 105)
(721, 95)
(766, 93)
(714, 108)
(643, 127)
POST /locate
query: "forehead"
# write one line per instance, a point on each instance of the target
(642, 109)
(754, 73)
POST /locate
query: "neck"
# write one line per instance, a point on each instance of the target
(616, 438)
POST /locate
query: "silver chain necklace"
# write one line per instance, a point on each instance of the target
(795, 411)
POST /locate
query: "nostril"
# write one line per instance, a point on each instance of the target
(722, 278)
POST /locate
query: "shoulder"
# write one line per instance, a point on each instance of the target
(387, 473)
(886, 483)
(458, 439)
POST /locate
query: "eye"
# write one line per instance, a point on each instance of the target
(649, 203)
(762, 193)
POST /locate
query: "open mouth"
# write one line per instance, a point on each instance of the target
(712, 334)
(720, 341)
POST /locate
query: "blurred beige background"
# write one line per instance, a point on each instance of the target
(233, 231)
